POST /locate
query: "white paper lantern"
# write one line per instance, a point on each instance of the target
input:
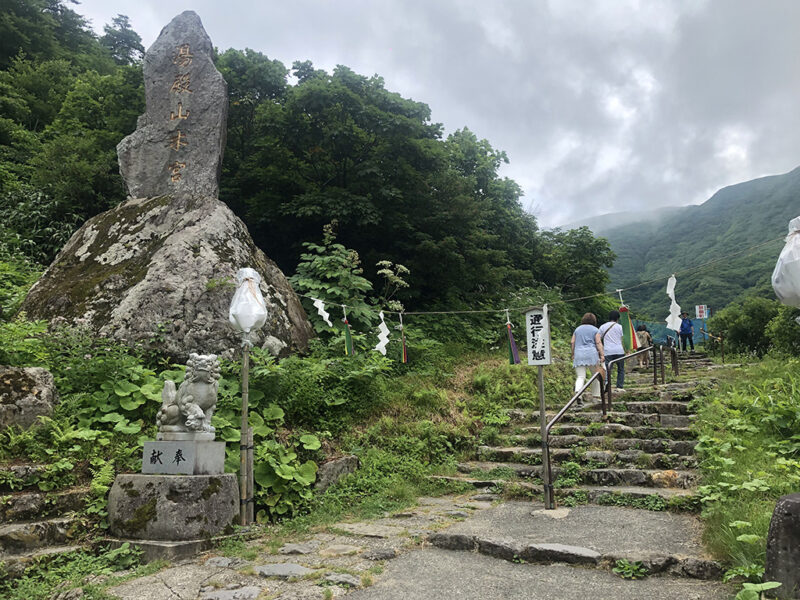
(248, 310)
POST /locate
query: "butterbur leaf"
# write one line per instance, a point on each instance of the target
(125, 388)
(273, 412)
(310, 442)
(126, 427)
(230, 434)
(740, 524)
(285, 471)
(308, 471)
(112, 417)
(263, 475)
(132, 403)
(748, 538)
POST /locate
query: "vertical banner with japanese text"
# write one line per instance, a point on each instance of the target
(537, 327)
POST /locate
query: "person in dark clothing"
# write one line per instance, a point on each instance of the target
(687, 331)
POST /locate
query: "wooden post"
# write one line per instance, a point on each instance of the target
(547, 485)
(243, 475)
(250, 503)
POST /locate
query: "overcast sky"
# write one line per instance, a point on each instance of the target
(602, 106)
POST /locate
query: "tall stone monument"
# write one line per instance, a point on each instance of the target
(158, 270)
(178, 144)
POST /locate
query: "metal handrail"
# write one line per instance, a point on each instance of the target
(547, 474)
(721, 342)
(607, 396)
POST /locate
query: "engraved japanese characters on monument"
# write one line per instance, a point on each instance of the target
(186, 104)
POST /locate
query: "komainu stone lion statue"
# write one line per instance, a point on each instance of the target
(189, 408)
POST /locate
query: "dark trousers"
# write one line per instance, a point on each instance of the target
(620, 369)
(684, 337)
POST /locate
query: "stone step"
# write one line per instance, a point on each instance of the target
(520, 532)
(22, 506)
(671, 429)
(18, 477)
(622, 458)
(672, 407)
(14, 565)
(18, 538)
(667, 445)
(660, 478)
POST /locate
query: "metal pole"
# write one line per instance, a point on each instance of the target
(243, 475)
(250, 503)
(663, 366)
(655, 366)
(547, 484)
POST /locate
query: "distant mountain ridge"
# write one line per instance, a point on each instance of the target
(734, 218)
(599, 224)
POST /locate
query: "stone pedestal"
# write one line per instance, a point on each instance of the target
(783, 548)
(188, 457)
(172, 508)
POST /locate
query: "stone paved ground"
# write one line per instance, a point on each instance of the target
(391, 558)
(360, 550)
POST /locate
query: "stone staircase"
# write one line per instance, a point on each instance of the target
(638, 463)
(36, 525)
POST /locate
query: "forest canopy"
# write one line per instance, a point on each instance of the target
(305, 148)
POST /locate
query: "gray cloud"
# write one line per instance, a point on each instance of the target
(602, 106)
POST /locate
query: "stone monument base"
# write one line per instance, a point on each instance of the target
(189, 457)
(171, 551)
(172, 508)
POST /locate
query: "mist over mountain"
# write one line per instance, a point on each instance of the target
(668, 241)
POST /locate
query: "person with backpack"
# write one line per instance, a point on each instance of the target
(611, 336)
(644, 339)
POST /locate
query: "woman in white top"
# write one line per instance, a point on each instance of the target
(611, 336)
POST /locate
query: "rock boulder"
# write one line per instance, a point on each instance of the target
(160, 272)
(25, 394)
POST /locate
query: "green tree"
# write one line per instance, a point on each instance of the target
(744, 325)
(575, 261)
(124, 44)
(333, 274)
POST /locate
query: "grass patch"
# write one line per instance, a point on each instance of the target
(749, 447)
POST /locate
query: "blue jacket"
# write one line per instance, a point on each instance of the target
(686, 326)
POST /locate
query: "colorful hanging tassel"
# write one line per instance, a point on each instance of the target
(513, 353)
(628, 336)
(403, 349)
(348, 339)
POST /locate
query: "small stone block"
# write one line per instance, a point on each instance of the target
(249, 592)
(282, 570)
(339, 550)
(183, 458)
(560, 553)
(502, 549)
(296, 549)
(452, 541)
(343, 579)
(381, 554)
(369, 529)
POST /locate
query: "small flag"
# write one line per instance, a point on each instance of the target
(348, 338)
(629, 341)
(513, 353)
